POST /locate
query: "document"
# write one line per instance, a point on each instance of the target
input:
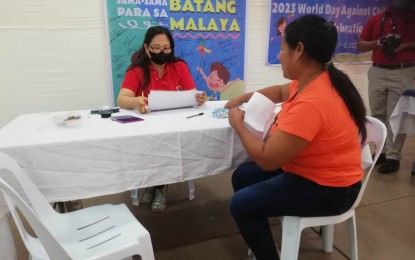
(260, 112)
(162, 99)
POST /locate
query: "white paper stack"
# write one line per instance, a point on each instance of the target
(162, 99)
(260, 112)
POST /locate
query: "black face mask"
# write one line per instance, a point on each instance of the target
(160, 58)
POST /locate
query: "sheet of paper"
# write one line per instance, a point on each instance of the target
(259, 112)
(161, 99)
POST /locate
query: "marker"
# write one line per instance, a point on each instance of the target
(200, 114)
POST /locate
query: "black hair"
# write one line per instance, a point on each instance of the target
(319, 38)
(140, 58)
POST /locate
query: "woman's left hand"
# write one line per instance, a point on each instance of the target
(236, 116)
(201, 98)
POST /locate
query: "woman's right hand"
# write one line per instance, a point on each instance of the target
(142, 106)
(127, 99)
(236, 116)
(234, 102)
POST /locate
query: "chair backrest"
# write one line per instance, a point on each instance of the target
(39, 203)
(45, 242)
(376, 134)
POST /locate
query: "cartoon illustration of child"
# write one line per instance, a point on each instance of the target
(218, 80)
(281, 24)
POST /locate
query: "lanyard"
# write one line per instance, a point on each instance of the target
(393, 25)
(382, 24)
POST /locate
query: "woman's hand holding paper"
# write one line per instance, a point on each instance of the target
(201, 98)
(236, 117)
(142, 105)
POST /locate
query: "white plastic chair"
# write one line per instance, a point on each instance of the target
(292, 226)
(100, 232)
(135, 194)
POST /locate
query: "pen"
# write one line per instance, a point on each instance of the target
(142, 101)
(200, 114)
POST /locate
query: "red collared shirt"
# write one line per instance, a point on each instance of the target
(176, 77)
(405, 26)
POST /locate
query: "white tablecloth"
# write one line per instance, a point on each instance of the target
(102, 156)
(402, 119)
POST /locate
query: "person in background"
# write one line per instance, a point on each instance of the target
(391, 37)
(310, 164)
(155, 67)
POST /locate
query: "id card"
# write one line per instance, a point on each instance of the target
(126, 119)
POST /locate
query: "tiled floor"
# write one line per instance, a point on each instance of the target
(203, 229)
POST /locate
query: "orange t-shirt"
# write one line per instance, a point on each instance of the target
(319, 115)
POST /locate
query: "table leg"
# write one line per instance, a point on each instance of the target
(191, 184)
(135, 196)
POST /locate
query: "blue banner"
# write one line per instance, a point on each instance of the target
(209, 36)
(348, 16)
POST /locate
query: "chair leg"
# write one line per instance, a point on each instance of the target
(291, 234)
(250, 252)
(353, 238)
(251, 255)
(191, 189)
(327, 232)
(146, 250)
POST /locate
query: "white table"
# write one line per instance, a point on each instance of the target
(102, 157)
(402, 119)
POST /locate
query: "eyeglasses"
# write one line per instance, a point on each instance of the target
(158, 49)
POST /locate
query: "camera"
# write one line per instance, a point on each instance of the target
(390, 43)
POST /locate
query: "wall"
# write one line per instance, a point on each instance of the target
(54, 56)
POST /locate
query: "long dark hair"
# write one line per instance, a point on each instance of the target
(140, 58)
(319, 38)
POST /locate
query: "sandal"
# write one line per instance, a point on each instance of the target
(74, 205)
(159, 203)
(149, 194)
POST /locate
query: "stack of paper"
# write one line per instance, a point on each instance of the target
(260, 112)
(161, 99)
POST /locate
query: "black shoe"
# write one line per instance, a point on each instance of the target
(381, 159)
(389, 166)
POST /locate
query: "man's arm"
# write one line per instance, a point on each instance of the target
(364, 46)
(405, 46)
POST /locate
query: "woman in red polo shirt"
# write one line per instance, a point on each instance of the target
(155, 67)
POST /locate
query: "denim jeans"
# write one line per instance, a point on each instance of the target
(260, 195)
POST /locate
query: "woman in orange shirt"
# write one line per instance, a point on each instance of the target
(310, 165)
